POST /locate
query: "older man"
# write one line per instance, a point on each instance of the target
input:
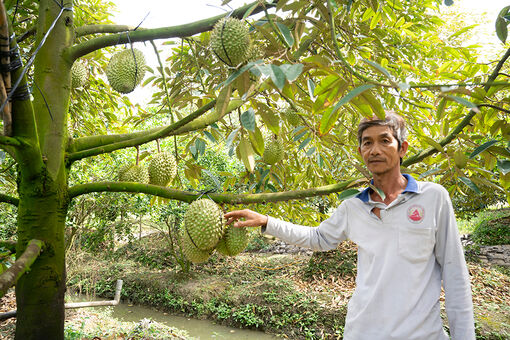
(408, 246)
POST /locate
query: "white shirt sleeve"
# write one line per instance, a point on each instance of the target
(326, 236)
(454, 273)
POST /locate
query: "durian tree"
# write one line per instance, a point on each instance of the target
(330, 62)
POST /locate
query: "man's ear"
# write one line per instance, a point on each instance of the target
(403, 148)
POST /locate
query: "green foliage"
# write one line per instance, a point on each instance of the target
(493, 228)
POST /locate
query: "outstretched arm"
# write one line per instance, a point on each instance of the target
(250, 218)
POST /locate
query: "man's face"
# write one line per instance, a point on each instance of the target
(379, 149)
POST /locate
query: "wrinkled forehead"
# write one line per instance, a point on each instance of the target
(377, 131)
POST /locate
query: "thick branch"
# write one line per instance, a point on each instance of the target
(4, 140)
(95, 29)
(137, 138)
(22, 264)
(92, 146)
(9, 199)
(226, 198)
(180, 31)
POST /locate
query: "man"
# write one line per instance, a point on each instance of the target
(407, 245)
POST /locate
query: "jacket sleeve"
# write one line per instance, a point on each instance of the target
(326, 236)
(456, 283)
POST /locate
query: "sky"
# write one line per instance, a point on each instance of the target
(159, 13)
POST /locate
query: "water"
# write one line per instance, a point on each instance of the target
(201, 329)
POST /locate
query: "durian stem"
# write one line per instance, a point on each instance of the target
(157, 143)
(137, 154)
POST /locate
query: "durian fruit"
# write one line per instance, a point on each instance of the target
(122, 170)
(135, 173)
(292, 116)
(79, 74)
(205, 223)
(273, 150)
(189, 250)
(162, 169)
(126, 70)
(254, 53)
(230, 41)
(234, 241)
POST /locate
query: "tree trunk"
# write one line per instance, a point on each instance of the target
(41, 215)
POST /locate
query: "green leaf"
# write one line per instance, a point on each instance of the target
(209, 136)
(311, 151)
(287, 35)
(247, 155)
(461, 31)
(502, 24)
(448, 2)
(257, 141)
(470, 184)
(504, 166)
(299, 135)
(248, 119)
(250, 10)
(464, 102)
(292, 72)
(328, 120)
(358, 90)
(231, 137)
(223, 100)
(348, 194)
(311, 88)
(378, 67)
(430, 172)
(200, 145)
(277, 76)
(304, 143)
(482, 148)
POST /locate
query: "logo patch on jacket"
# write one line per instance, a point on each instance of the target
(415, 213)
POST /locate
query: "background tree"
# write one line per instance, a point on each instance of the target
(332, 61)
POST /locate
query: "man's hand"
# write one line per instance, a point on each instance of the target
(251, 218)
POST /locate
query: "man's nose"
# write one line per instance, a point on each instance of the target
(375, 149)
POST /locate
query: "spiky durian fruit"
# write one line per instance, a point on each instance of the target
(162, 169)
(126, 70)
(189, 249)
(205, 223)
(273, 150)
(292, 116)
(122, 170)
(254, 53)
(135, 173)
(79, 74)
(234, 241)
(230, 41)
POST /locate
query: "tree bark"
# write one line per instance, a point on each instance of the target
(41, 215)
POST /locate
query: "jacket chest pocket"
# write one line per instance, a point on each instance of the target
(415, 244)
